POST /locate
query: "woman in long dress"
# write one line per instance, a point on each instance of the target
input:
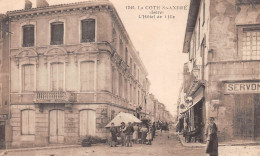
(212, 138)
(135, 134)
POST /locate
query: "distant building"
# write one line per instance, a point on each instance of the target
(222, 80)
(5, 133)
(73, 69)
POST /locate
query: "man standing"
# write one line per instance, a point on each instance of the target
(122, 133)
(113, 131)
(212, 138)
(129, 133)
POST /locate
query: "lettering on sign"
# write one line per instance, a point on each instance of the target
(245, 87)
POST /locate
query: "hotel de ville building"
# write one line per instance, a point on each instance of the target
(73, 68)
(222, 75)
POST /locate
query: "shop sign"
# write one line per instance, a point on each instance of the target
(3, 116)
(243, 87)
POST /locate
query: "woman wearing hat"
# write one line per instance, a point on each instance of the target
(212, 138)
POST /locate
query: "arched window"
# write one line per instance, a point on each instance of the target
(87, 73)
(28, 122)
(57, 76)
(87, 122)
(28, 77)
(88, 30)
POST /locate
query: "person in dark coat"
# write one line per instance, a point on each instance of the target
(153, 130)
(129, 134)
(212, 138)
(114, 132)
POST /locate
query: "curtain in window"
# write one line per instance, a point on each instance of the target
(88, 30)
(57, 76)
(87, 73)
(28, 77)
(28, 35)
(28, 122)
(57, 33)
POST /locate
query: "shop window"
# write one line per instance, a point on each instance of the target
(28, 77)
(57, 33)
(28, 35)
(87, 72)
(28, 122)
(57, 76)
(251, 44)
(88, 30)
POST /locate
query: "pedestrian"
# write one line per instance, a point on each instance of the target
(129, 133)
(153, 130)
(212, 138)
(114, 132)
(122, 134)
(135, 134)
(144, 133)
(149, 136)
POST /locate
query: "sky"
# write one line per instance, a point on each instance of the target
(159, 41)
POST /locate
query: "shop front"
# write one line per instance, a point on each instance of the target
(245, 98)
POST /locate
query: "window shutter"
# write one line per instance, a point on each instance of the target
(31, 120)
(25, 122)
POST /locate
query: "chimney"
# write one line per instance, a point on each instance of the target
(28, 5)
(41, 3)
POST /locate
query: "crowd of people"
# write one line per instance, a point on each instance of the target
(131, 133)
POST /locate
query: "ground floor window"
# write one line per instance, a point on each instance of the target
(28, 122)
(87, 122)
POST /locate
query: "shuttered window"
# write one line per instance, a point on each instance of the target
(57, 33)
(57, 76)
(28, 35)
(87, 122)
(88, 30)
(28, 78)
(28, 122)
(87, 73)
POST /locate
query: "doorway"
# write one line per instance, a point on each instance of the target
(56, 127)
(2, 135)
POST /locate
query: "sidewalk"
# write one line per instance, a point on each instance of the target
(2, 151)
(228, 143)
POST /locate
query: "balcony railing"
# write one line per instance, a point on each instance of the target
(55, 97)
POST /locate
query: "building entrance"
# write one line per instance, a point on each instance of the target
(56, 126)
(2, 134)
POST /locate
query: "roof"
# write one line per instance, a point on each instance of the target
(192, 17)
(123, 117)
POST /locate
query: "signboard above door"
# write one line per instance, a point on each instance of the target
(242, 87)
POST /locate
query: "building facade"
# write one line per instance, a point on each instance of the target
(221, 77)
(73, 69)
(4, 83)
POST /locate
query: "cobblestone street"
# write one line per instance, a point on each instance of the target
(162, 145)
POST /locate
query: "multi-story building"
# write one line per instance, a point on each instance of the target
(150, 108)
(73, 69)
(4, 83)
(223, 77)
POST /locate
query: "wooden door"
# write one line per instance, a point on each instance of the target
(2, 135)
(244, 116)
(56, 126)
(257, 117)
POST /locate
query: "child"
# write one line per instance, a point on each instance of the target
(149, 136)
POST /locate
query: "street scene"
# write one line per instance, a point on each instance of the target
(108, 77)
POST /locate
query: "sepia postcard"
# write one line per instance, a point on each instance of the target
(129, 77)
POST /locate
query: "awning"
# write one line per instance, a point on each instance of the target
(123, 117)
(196, 98)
